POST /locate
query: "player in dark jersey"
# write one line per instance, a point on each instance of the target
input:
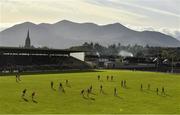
(157, 91)
(52, 85)
(115, 92)
(90, 89)
(101, 89)
(82, 92)
(24, 93)
(141, 87)
(163, 91)
(98, 77)
(107, 77)
(67, 82)
(122, 83)
(112, 78)
(33, 94)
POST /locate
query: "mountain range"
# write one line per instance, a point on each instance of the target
(65, 34)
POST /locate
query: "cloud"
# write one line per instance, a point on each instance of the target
(172, 32)
(168, 31)
(2, 28)
(157, 13)
(56, 10)
(115, 6)
(129, 4)
(157, 6)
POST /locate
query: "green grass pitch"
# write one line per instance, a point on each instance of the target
(129, 100)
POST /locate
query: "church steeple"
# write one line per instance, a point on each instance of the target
(28, 41)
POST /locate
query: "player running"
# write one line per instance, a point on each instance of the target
(163, 91)
(141, 87)
(98, 77)
(101, 89)
(33, 95)
(107, 78)
(24, 93)
(112, 78)
(52, 85)
(115, 92)
(157, 91)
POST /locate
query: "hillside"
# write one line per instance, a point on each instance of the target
(64, 34)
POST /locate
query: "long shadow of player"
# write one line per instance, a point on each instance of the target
(126, 87)
(103, 92)
(168, 95)
(85, 97)
(68, 85)
(91, 98)
(34, 101)
(145, 91)
(164, 95)
(53, 89)
(150, 90)
(92, 93)
(26, 100)
(101, 80)
(117, 96)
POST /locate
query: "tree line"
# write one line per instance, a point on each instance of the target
(136, 50)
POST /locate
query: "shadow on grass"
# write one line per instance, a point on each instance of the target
(168, 95)
(68, 86)
(164, 95)
(126, 87)
(34, 101)
(151, 90)
(85, 97)
(103, 92)
(154, 92)
(91, 98)
(117, 96)
(145, 91)
(88, 98)
(52, 72)
(26, 100)
(53, 89)
(92, 93)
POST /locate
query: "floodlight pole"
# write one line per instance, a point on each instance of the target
(157, 64)
(172, 68)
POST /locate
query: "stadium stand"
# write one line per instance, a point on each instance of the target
(30, 59)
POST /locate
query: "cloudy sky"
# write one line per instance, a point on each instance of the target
(160, 15)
